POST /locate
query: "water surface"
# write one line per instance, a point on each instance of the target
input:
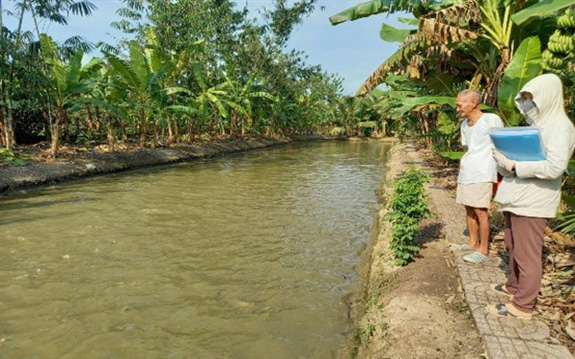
(246, 256)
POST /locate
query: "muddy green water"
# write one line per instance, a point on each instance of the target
(247, 256)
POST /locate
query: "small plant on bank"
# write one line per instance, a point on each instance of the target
(9, 157)
(408, 206)
(367, 332)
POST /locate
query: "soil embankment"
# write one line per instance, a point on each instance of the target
(74, 163)
(417, 311)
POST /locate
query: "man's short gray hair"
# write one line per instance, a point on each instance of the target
(474, 94)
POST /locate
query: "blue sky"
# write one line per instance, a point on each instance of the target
(352, 49)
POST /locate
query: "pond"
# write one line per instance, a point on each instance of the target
(247, 256)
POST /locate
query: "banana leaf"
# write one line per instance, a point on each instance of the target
(75, 66)
(379, 6)
(389, 33)
(408, 21)
(411, 102)
(186, 110)
(139, 64)
(124, 70)
(445, 124)
(541, 9)
(526, 64)
(570, 200)
(452, 155)
(367, 124)
(571, 168)
(566, 222)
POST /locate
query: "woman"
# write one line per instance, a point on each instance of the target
(530, 193)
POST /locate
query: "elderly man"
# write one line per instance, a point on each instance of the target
(477, 173)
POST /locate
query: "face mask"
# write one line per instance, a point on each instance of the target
(530, 111)
(527, 105)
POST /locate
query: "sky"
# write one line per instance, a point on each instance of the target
(352, 50)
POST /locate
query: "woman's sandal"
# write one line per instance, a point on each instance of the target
(500, 288)
(507, 311)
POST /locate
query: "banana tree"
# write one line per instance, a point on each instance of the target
(169, 68)
(49, 10)
(242, 98)
(108, 95)
(209, 102)
(66, 85)
(141, 82)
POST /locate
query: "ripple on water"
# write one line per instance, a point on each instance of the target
(236, 257)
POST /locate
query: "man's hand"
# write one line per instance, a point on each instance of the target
(503, 161)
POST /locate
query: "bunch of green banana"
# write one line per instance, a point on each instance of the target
(560, 43)
(567, 20)
(552, 62)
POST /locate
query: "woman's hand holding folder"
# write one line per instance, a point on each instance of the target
(503, 161)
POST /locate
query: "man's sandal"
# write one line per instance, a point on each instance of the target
(507, 311)
(475, 257)
(461, 247)
(500, 288)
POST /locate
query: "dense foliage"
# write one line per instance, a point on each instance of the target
(186, 68)
(408, 206)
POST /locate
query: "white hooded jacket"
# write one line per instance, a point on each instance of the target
(535, 188)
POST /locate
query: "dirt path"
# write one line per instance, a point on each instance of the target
(417, 311)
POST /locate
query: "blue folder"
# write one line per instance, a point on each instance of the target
(519, 143)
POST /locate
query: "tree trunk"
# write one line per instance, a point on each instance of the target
(177, 138)
(191, 130)
(124, 132)
(56, 131)
(170, 133)
(7, 85)
(65, 130)
(155, 139)
(492, 89)
(110, 133)
(98, 124)
(48, 125)
(6, 130)
(77, 127)
(384, 128)
(233, 120)
(427, 131)
(90, 118)
(143, 129)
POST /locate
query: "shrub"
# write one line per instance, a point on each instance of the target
(408, 206)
